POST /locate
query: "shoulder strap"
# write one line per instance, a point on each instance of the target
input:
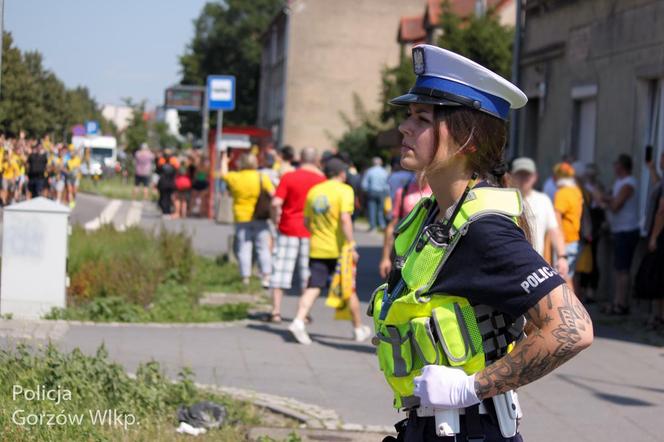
(406, 221)
(478, 203)
(487, 201)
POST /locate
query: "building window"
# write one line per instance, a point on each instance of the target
(584, 123)
(531, 128)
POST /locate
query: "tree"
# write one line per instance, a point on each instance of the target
(482, 39)
(160, 136)
(227, 41)
(19, 95)
(35, 100)
(396, 81)
(136, 132)
(361, 137)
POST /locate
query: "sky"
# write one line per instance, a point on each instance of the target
(117, 48)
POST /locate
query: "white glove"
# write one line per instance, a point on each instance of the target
(444, 387)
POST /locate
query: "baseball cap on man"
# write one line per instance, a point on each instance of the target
(523, 164)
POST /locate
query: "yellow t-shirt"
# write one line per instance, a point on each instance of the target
(245, 189)
(21, 167)
(325, 204)
(11, 168)
(74, 163)
(569, 202)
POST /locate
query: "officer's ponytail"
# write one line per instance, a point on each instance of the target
(488, 136)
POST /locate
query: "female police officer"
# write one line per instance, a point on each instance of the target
(449, 322)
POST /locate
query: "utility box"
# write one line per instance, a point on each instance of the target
(34, 258)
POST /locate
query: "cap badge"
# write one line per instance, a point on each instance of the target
(418, 61)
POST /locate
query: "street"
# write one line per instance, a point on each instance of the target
(611, 390)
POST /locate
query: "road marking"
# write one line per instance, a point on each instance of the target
(106, 216)
(133, 216)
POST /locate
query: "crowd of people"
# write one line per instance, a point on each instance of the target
(181, 180)
(38, 167)
(575, 212)
(296, 217)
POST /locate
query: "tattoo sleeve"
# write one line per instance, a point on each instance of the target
(562, 328)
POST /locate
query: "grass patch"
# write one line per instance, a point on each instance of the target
(137, 276)
(94, 384)
(220, 275)
(111, 187)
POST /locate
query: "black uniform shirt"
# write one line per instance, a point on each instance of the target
(494, 264)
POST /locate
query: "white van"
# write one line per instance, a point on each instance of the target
(103, 153)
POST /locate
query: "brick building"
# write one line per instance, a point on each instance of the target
(316, 55)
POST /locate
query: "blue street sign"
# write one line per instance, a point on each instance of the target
(91, 127)
(221, 92)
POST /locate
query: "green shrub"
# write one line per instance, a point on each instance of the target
(177, 255)
(137, 276)
(111, 263)
(94, 384)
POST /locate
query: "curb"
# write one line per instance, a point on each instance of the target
(225, 324)
(55, 329)
(311, 416)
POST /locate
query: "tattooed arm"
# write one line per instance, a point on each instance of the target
(562, 329)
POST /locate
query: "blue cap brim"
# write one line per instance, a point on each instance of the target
(405, 100)
(444, 92)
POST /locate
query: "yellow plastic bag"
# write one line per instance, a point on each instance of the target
(584, 263)
(387, 207)
(343, 284)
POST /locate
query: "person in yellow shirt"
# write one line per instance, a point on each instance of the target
(10, 170)
(73, 175)
(327, 215)
(568, 203)
(251, 225)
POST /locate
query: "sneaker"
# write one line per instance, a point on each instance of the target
(362, 333)
(299, 332)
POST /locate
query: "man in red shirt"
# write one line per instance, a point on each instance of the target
(292, 244)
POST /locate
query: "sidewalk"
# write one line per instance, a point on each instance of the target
(613, 391)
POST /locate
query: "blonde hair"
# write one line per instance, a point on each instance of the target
(248, 161)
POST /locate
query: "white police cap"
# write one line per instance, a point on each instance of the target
(448, 79)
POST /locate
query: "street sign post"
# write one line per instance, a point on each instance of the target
(91, 127)
(220, 96)
(186, 98)
(221, 92)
